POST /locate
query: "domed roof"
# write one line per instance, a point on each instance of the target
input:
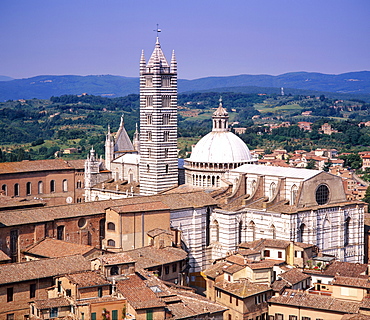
(220, 147)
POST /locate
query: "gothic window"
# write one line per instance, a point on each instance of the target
(52, 186)
(208, 218)
(4, 188)
(253, 186)
(166, 118)
(111, 243)
(240, 232)
(166, 152)
(273, 232)
(28, 188)
(149, 101)
(166, 81)
(79, 184)
(148, 119)
(326, 234)
(166, 136)
(272, 191)
(130, 176)
(16, 190)
(149, 82)
(166, 101)
(251, 231)
(346, 231)
(65, 185)
(216, 231)
(166, 168)
(293, 194)
(149, 136)
(322, 194)
(111, 226)
(301, 234)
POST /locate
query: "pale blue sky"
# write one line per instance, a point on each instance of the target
(210, 38)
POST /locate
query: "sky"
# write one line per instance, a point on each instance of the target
(210, 38)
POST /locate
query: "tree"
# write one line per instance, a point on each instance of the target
(327, 165)
(311, 164)
(367, 195)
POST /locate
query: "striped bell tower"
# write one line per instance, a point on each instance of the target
(158, 123)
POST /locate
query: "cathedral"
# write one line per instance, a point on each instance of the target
(254, 202)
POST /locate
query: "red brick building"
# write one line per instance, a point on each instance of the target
(55, 181)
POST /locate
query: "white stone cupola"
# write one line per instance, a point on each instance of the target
(220, 119)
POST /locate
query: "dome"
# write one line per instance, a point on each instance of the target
(220, 147)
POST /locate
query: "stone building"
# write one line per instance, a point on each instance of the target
(217, 152)
(290, 204)
(54, 181)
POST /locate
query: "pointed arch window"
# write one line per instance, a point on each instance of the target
(240, 232)
(302, 233)
(346, 231)
(253, 186)
(251, 231)
(273, 231)
(272, 191)
(4, 188)
(216, 228)
(293, 194)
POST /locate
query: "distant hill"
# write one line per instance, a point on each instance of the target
(5, 78)
(43, 87)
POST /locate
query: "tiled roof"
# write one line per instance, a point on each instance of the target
(138, 295)
(352, 282)
(306, 300)
(16, 272)
(344, 269)
(216, 269)
(242, 288)
(357, 316)
(173, 201)
(87, 279)
(147, 257)
(10, 203)
(233, 268)
(34, 165)
(157, 231)
(263, 243)
(4, 256)
(294, 276)
(139, 207)
(115, 258)
(192, 306)
(53, 248)
(265, 264)
(52, 303)
(77, 164)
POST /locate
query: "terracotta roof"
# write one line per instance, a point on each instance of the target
(344, 269)
(193, 305)
(34, 165)
(263, 243)
(52, 303)
(216, 269)
(77, 164)
(351, 282)
(233, 268)
(147, 257)
(10, 203)
(139, 207)
(157, 231)
(138, 295)
(36, 269)
(87, 279)
(53, 248)
(237, 259)
(4, 256)
(357, 316)
(115, 258)
(294, 276)
(265, 264)
(242, 288)
(173, 201)
(306, 300)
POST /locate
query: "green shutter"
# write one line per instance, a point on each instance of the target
(93, 316)
(114, 314)
(149, 314)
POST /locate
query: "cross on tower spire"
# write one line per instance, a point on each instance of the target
(157, 29)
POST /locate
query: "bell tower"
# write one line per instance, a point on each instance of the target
(158, 122)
